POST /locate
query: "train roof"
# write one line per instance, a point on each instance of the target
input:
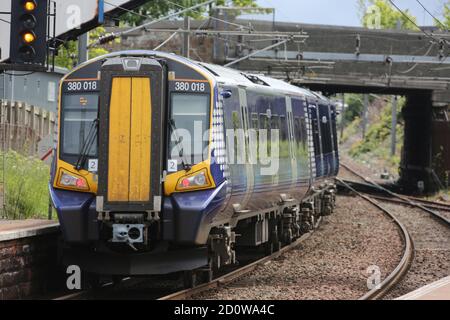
(225, 75)
(236, 77)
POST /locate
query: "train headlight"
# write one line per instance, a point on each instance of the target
(197, 180)
(70, 180)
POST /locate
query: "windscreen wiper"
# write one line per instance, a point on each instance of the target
(186, 166)
(87, 145)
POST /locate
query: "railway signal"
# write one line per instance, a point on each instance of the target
(28, 40)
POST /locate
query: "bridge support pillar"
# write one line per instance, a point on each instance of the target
(416, 172)
(441, 137)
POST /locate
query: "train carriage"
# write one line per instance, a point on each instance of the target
(165, 164)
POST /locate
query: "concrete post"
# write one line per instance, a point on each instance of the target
(394, 126)
(364, 115)
(186, 37)
(342, 124)
(82, 47)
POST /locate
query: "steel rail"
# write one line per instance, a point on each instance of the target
(224, 279)
(238, 273)
(433, 206)
(408, 201)
(403, 267)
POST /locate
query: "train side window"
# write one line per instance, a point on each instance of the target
(297, 129)
(303, 131)
(275, 122)
(263, 121)
(300, 135)
(283, 128)
(255, 121)
(235, 119)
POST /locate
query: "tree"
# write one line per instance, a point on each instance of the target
(380, 14)
(159, 8)
(68, 53)
(355, 107)
(447, 15)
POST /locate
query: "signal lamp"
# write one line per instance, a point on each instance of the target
(28, 21)
(28, 37)
(29, 5)
(27, 53)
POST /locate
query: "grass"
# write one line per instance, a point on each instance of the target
(26, 184)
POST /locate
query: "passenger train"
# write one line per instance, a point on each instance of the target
(164, 164)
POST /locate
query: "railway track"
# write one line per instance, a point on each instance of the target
(376, 293)
(429, 227)
(380, 291)
(402, 268)
(393, 279)
(230, 277)
(187, 293)
(437, 210)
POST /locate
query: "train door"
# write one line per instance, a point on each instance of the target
(291, 139)
(248, 156)
(232, 118)
(130, 149)
(325, 129)
(317, 141)
(335, 139)
(303, 139)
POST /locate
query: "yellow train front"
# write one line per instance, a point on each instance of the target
(141, 181)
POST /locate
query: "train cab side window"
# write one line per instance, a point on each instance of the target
(190, 113)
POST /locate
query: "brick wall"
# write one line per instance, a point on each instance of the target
(27, 266)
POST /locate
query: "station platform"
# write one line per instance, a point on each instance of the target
(17, 229)
(439, 290)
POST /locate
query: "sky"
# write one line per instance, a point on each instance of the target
(343, 12)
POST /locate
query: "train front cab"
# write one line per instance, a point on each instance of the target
(122, 209)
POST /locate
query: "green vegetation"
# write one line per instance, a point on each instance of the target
(388, 14)
(26, 184)
(376, 144)
(68, 53)
(159, 8)
(447, 15)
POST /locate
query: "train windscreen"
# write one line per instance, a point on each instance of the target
(190, 114)
(78, 114)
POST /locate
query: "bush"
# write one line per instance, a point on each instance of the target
(378, 138)
(26, 184)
